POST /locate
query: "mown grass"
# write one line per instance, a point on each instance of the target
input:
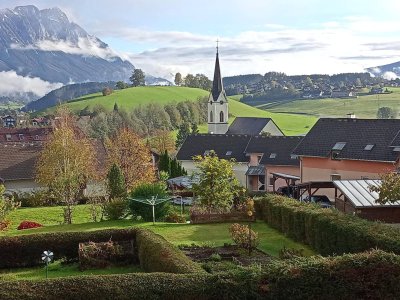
(57, 269)
(271, 241)
(130, 98)
(365, 106)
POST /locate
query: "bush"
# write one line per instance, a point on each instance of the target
(26, 250)
(147, 191)
(174, 217)
(28, 225)
(287, 253)
(115, 209)
(107, 91)
(157, 255)
(243, 236)
(328, 231)
(34, 199)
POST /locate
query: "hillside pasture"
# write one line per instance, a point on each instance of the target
(365, 106)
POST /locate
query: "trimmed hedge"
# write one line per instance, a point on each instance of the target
(328, 231)
(369, 275)
(26, 250)
(156, 254)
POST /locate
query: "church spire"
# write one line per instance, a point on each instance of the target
(217, 87)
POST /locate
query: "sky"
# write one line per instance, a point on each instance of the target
(255, 36)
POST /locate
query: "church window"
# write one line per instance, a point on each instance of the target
(221, 116)
(211, 117)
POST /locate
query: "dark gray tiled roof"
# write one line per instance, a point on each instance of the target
(281, 146)
(248, 125)
(256, 170)
(357, 134)
(221, 143)
(217, 86)
(240, 146)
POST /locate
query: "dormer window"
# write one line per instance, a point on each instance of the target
(369, 147)
(36, 137)
(20, 136)
(272, 155)
(8, 137)
(228, 153)
(293, 156)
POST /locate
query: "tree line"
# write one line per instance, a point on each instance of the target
(145, 120)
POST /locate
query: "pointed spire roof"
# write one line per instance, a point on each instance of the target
(217, 87)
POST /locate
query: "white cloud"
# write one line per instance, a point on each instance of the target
(85, 47)
(11, 82)
(389, 75)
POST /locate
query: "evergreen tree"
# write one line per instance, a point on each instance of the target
(116, 182)
(183, 132)
(195, 128)
(164, 163)
(116, 107)
(137, 78)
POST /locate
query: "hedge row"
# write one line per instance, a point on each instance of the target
(157, 255)
(328, 231)
(372, 275)
(26, 250)
(369, 275)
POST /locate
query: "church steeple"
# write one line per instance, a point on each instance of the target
(217, 87)
(218, 112)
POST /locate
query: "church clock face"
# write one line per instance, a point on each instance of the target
(221, 102)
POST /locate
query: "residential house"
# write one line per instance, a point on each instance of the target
(9, 121)
(346, 148)
(257, 157)
(18, 164)
(24, 134)
(40, 121)
(268, 156)
(254, 126)
(343, 94)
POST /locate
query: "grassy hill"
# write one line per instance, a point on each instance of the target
(365, 106)
(127, 99)
(131, 97)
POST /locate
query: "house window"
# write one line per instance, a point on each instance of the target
(271, 181)
(36, 137)
(20, 136)
(339, 146)
(261, 182)
(293, 156)
(8, 137)
(259, 158)
(211, 117)
(272, 155)
(335, 177)
(228, 153)
(221, 116)
(369, 147)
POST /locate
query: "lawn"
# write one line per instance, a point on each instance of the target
(365, 106)
(271, 241)
(57, 269)
(131, 97)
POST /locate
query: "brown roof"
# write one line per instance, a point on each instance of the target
(27, 134)
(18, 160)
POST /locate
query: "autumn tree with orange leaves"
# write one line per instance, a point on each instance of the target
(129, 152)
(66, 163)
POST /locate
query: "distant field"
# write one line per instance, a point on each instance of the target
(11, 106)
(129, 98)
(291, 124)
(363, 106)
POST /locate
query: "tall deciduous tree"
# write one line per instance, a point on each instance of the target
(66, 163)
(178, 79)
(129, 152)
(217, 184)
(137, 78)
(163, 141)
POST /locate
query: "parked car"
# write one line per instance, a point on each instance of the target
(321, 200)
(288, 191)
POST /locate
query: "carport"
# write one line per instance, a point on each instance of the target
(290, 179)
(311, 187)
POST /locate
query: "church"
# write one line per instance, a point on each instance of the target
(258, 146)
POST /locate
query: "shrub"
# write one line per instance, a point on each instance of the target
(26, 250)
(107, 91)
(287, 253)
(157, 255)
(28, 225)
(145, 192)
(243, 236)
(328, 231)
(115, 209)
(34, 199)
(174, 217)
